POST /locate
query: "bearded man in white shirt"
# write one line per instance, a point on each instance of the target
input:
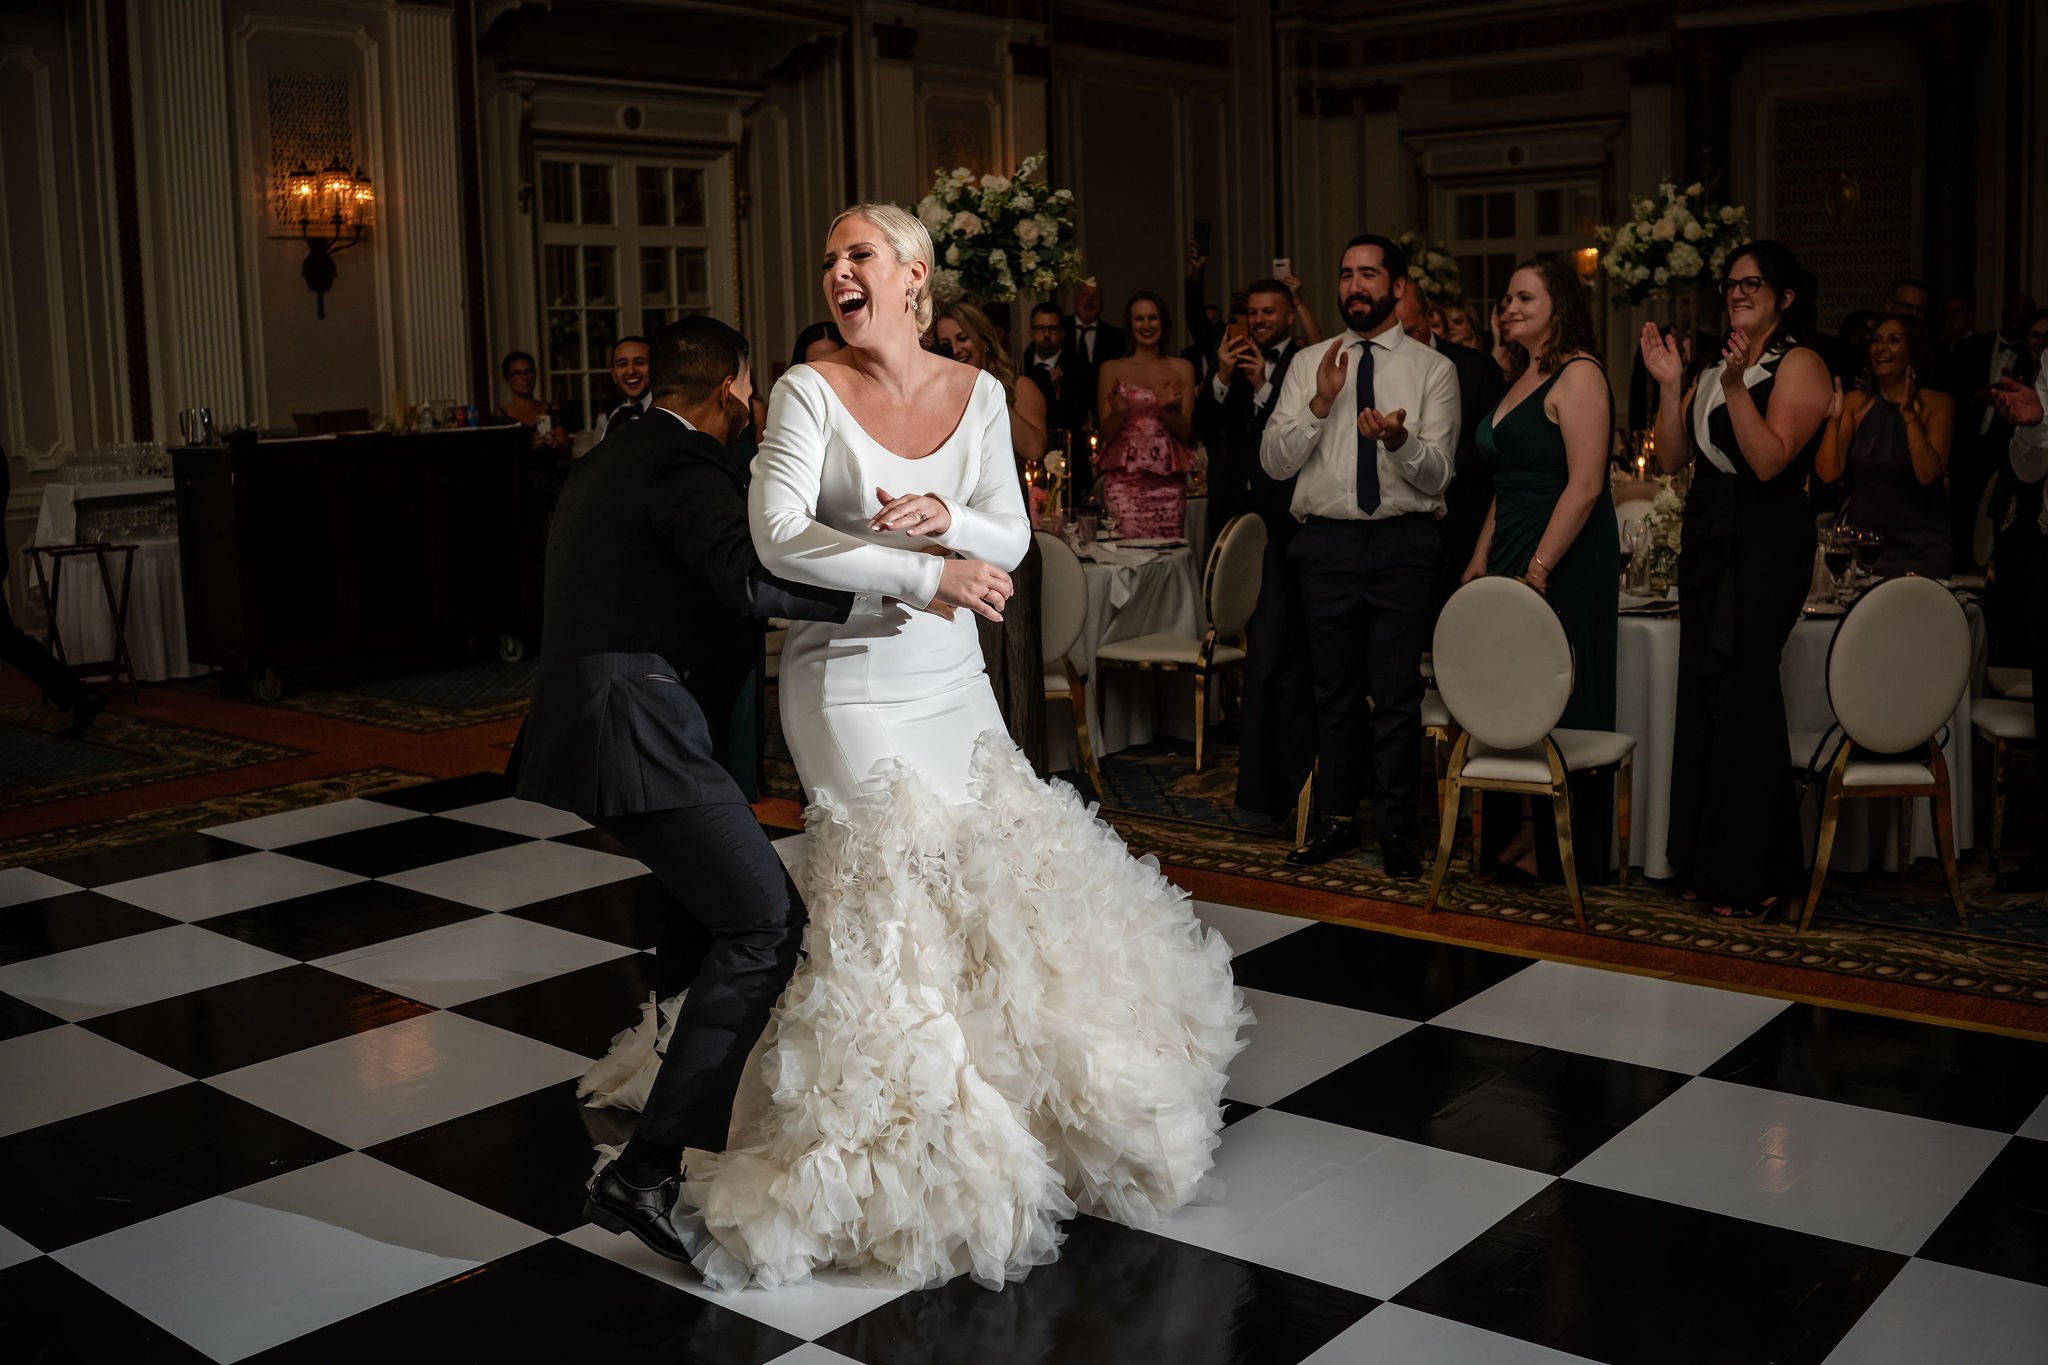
(1367, 425)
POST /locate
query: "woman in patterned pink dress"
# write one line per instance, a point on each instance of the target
(1145, 403)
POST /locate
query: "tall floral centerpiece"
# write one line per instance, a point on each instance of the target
(1673, 244)
(1432, 269)
(999, 234)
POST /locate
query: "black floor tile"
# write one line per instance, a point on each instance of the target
(526, 1158)
(104, 867)
(1952, 1075)
(1489, 1097)
(17, 1018)
(35, 928)
(578, 1010)
(1408, 978)
(383, 850)
(240, 1023)
(339, 920)
(550, 1302)
(1115, 1296)
(2001, 1225)
(595, 838)
(1233, 1110)
(450, 793)
(628, 912)
(81, 1177)
(1619, 1278)
(52, 1317)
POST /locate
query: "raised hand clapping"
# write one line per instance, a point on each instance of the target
(1661, 357)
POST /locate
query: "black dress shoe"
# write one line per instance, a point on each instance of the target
(83, 714)
(651, 1215)
(1336, 837)
(1397, 855)
(2030, 878)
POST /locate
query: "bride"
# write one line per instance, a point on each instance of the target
(1001, 1017)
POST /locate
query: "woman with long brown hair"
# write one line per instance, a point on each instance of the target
(1552, 522)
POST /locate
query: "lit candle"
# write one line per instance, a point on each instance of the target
(1642, 466)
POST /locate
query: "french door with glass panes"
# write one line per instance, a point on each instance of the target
(628, 244)
(1490, 229)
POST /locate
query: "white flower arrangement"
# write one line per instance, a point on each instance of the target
(1674, 240)
(1000, 234)
(1665, 520)
(1432, 269)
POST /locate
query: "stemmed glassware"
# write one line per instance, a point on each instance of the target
(1838, 552)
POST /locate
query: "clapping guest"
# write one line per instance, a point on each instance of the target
(1045, 364)
(966, 332)
(1552, 521)
(1749, 426)
(1145, 406)
(2022, 406)
(1887, 442)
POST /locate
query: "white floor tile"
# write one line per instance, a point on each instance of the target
(507, 878)
(791, 851)
(1835, 1170)
(1353, 1209)
(314, 822)
(398, 1079)
(514, 816)
(59, 1073)
(217, 888)
(18, 884)
(811, 1353)
(242, 1272)
(13, 1251)
(1623, 1018)
(2037, 1126)
(457, 963)
(136, 970)
(810, 1310)
(1245, 929)
(1935, 1312)
(1393, 1335)
(1296, 1041)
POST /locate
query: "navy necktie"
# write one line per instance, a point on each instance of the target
(1368, 449)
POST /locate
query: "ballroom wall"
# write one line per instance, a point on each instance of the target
(143, 269)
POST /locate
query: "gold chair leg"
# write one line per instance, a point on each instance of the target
(1077, 698)
(1945, 832)
(1997, 802)
(1824, 844)
(1447, 825)
(1201, 712)
(1561, 803)
(1301, 807)
(1624, 800)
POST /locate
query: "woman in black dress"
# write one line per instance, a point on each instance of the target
(1750, 426)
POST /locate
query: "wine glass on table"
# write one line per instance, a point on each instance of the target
(1838, 552)
(1869, 548)
(1631, 542)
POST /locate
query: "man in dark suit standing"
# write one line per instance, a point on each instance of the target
(652, 617)
(1045, 363)
(1481, 386)
(1967, 374)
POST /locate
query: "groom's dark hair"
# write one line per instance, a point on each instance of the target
(691, 357)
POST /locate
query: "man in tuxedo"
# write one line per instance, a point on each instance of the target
(630, 376)
(1368, 421)
(653, 612)
(1480, 389)
(1970, 370)
(1046, 363)
(1090, 341)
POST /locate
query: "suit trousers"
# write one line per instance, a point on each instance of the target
(721, 872)
(29, 655)
(1369, 598)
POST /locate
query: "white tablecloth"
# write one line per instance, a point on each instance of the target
(1127, 706)
(156, 606)
(1647, 704)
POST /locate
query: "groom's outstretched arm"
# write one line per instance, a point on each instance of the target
(702, 516)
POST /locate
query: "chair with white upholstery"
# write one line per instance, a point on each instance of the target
(1062, 611)
(2004, 722)
(1504, 667)
(1896, 669)
(2017, 683)
(1230, 589)
(1438, 731)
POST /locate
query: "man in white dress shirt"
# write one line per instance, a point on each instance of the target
(1368, 421)
(2023, 407)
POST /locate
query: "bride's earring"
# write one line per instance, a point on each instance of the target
(910, 298)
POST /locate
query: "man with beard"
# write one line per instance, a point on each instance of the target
(1480, 389)
(652, 618)
(1367, 425)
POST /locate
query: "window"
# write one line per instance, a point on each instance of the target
(627, 245)
(1496, 227)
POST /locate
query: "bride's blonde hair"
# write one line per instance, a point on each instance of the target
(910, 240)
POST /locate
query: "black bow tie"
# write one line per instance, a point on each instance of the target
(1270, 352)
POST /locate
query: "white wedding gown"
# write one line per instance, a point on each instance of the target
(1001, 1016)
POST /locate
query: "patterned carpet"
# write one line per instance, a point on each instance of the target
(422, 703)
(121, 751)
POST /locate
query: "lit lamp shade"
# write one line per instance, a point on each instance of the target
(304, 186)
(364, 197)
(1586, 260)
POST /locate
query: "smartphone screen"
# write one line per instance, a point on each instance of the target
(1283, 266)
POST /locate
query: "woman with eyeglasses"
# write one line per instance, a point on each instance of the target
(1749, 426)
(1887, 441)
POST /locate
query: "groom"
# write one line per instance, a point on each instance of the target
(652, 615)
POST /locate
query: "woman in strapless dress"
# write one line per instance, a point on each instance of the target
(1146, 402)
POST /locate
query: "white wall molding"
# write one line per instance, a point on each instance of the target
(425, 204)
(42, 445)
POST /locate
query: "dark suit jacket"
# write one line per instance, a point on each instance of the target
(1480, 389)
(1110, 344)
(1068, 409)
(1232, 431)
(651, 620)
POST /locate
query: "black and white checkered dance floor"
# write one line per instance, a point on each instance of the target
(303, 1089)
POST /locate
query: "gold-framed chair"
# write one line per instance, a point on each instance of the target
(1062, 611)
(1504, 667)
(2003, 722)
(1439, 732)
(1230, 589)
(1896, 669)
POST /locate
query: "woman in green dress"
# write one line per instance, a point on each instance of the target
(1552, 523)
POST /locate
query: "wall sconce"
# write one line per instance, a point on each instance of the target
(336, 206)
(1844, 196)
(1586, 260)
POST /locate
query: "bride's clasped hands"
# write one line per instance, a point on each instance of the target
(978, 586)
